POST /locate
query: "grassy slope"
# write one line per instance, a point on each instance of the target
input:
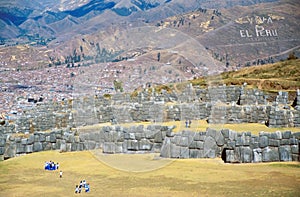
(279, 76)
(24, 176)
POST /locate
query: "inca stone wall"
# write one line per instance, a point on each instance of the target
(111, 139)
(222, 104)
(233, 147)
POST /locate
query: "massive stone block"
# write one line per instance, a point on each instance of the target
(145, 144)
(119, 147)
(37, 147)
(52, 137)
(233, 156)
(263, 141)
(220, 139)
(195, 153)
(286, 134)
(158, 137)
(285, 153)
(257, 155)
(10, 150)
(20, 148)
(30, 140)
(246, 155)
(184, 152)
(109, 147)
(2, 142)
(270, 154)
(210, 147)
(63, 146)
(166, 148)
(132, 145)
(175, 151)
(29, 148)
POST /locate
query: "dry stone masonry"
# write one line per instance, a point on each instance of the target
(47, 126)
(222, 104)
(231, 146)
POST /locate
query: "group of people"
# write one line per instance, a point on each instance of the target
(51, 165)
(82, 185)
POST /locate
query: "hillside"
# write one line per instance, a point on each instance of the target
(280, 76)
(231, 36)
(243, 35)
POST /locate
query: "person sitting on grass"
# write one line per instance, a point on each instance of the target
(87, 187)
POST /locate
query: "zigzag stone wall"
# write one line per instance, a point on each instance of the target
(233, 147)
(223, 104)
(111, 139)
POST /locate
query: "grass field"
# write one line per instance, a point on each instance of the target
(201, 125)
(112, 175)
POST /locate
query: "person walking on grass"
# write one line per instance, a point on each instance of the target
(76, 189)
(60, 174)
